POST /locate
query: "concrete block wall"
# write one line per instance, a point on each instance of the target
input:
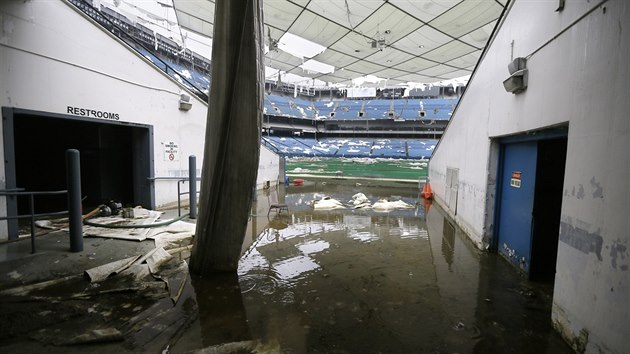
(578, 77)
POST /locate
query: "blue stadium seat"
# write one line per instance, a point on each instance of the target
(352, 147)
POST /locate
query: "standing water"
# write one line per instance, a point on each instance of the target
(363, 281)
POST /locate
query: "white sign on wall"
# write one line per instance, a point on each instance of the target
(171, 151)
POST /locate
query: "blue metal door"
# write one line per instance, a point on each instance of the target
(518, 182)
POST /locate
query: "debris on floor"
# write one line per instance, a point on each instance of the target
(137, 297)
(249, 346)
(127, 300)
(385, 205)
(113, 222)
(165, 233)
(327, 203)
(360, 201)
(101, 273)
(97, 336)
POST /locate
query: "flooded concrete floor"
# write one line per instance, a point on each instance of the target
(361, 281)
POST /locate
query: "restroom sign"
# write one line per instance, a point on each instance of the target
(171, 151)
(515, 181)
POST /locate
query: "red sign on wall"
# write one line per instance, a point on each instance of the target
(515, 181)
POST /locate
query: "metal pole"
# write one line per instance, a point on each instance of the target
(73, 181)
(192, 174)
(179, 200)
(31, 207)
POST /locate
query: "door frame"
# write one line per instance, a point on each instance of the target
(142, 187)
(536, 135)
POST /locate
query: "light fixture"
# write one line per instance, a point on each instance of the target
(517, 82)
(184, 102)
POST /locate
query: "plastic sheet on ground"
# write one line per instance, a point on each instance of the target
(172, 235)
(157, 258)
(360, 201)
(102, 272)
(384, 205)
(136, 234)
(166, 236)
(327, 204)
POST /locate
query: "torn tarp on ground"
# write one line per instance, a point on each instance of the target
(163, 235)
(136, 234)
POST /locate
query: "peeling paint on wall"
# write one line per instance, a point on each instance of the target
(516, 259)
(580, 193)
(597, 189)
(618, 252)
(581, 240)
(577, 341)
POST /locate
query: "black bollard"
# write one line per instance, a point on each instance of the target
(192, 174)
(73, 181)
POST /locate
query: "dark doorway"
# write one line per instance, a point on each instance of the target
(547, 206)
(115, 158)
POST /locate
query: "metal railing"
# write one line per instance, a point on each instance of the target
(31, 207)
(193, 210)
(192, 188)
(73, 191)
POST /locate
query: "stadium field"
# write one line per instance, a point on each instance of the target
(365, 168)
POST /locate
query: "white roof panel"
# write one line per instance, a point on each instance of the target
(439, 71)
(409, 40)
(332, 56)
(388, 23)
(467, 61)
(389, 57)
(390, 73)
(317, 29)
(479, 37)
(347, 13)
(422, 40)
(416, 65)
(280, 14)
(425, 10)
(467, 16)
(449, 51)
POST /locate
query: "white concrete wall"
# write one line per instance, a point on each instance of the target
(52, 57)
(268, 168)
(581, 78)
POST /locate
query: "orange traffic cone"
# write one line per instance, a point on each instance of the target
(426, 191)
(427, 206)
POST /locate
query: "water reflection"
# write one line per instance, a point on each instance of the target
(448, 242)
(358, 281)
(221, 309)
